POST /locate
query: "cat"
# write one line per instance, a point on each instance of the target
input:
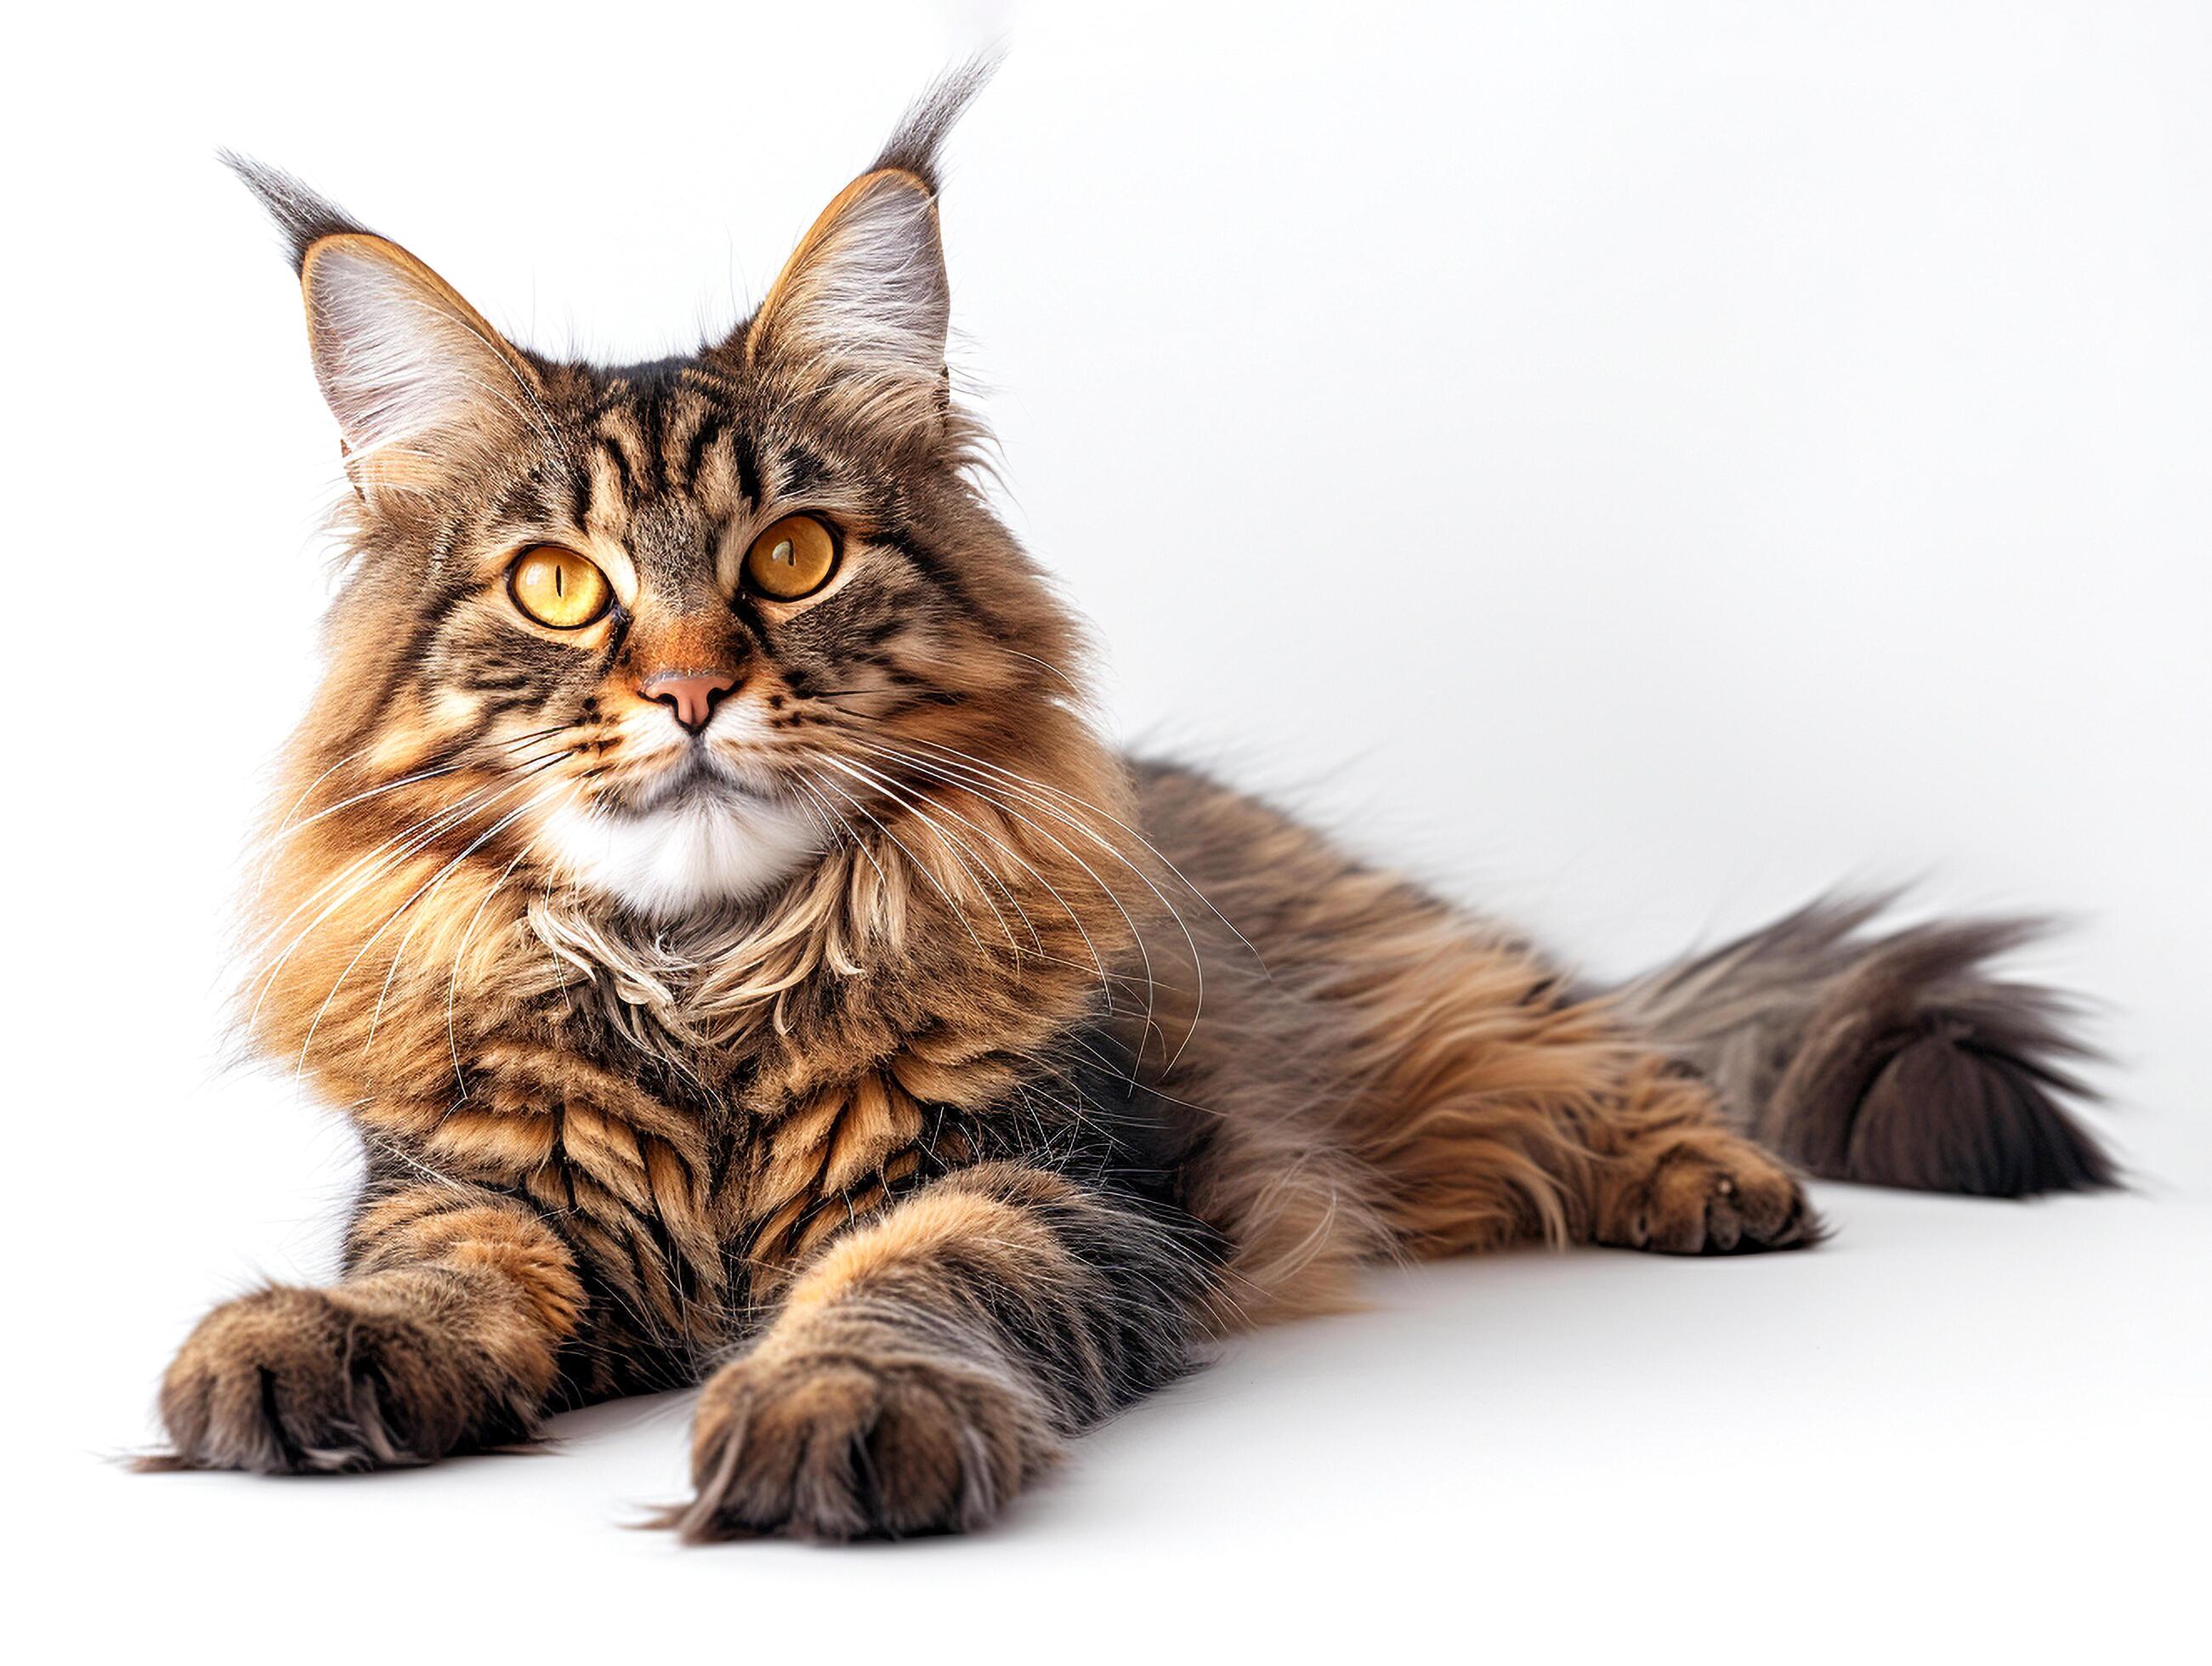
(702, 881)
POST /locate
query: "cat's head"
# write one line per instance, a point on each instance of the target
(666, 632)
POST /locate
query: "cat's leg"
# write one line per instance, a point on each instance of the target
(930, 1362)
(1508, 1113)
(1481, 1099)
(443, 1334)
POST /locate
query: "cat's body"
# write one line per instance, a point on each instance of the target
(746, 965)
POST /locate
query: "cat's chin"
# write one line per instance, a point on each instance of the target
(694, 855)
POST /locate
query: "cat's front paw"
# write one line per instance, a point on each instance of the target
(826, 1445)
(288, 1380)
(1709, 1193)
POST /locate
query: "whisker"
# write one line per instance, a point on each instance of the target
(454, 768)
(445, 814)
(430, 885)
(488, 833)
(360, 871)
(301, 802)
(964, 858)
(852, 834)
(824, 811)
(915, 797)
(1136, 934)
(400, 957)
(448, 820)
(1036, 799)
(1083, 804)
(922, 867)
(454, 983)
(422, 830)
(1073, 688)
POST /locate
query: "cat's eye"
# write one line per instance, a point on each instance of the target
(558, 587)
(792, 559)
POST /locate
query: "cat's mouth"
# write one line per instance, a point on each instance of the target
(698, 780)
(702, 831)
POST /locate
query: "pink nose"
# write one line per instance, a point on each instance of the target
(691, 695)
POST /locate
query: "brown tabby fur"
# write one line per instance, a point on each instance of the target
(983, 1118)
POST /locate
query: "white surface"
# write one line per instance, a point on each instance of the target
(1638, 464)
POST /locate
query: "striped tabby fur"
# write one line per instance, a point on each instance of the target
(883, 1059)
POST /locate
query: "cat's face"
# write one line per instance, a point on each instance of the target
(698, 631)
(670, 631)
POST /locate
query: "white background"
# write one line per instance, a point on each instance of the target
(1635, 465)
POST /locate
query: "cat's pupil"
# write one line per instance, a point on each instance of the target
(560, 582)
(784, 553)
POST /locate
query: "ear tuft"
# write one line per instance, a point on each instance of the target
(418, 381)
(859, 312)
(912, 148)
(301, 216)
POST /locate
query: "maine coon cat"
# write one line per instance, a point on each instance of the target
(700, 882)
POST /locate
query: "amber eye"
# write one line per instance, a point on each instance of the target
(558, 587)
(792, 558)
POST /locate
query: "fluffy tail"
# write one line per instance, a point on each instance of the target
(1894, 1059)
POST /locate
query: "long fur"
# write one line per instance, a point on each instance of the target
(886, 1052)
(1894, 1058)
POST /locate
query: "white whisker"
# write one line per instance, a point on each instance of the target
(270, 981)
(1136, 933)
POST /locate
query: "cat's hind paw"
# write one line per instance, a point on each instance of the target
(1706, 1192)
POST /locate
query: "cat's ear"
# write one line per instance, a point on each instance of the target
(859, 312)
(418, 380)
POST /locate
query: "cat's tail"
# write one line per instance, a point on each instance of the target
(1890, 1057)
